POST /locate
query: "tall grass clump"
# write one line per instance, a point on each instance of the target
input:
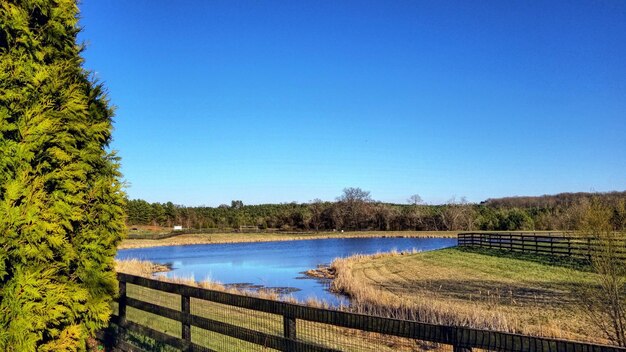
(138, 267)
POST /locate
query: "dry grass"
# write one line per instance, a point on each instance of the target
(139, 267)
(147, 269)
(189, 239)
(456, 287)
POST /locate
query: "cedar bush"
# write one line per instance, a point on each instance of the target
(61, 201)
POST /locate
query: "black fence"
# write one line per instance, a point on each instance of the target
(545, 243)
(158, 315)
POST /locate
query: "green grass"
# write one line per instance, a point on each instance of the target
(556, 260)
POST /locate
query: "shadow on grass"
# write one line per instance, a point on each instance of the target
(556, 260)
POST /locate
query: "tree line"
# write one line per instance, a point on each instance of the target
(355, 210)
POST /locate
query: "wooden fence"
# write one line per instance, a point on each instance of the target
(544, 243)
(293, 322)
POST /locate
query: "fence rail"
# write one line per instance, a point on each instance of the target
(289, 331)
(555, 243)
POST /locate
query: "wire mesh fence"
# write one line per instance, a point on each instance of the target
(155, 315)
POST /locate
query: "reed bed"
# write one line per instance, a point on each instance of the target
(214, 238)
(138, 267)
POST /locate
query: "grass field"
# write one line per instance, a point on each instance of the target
(188, 239)
(506, 292)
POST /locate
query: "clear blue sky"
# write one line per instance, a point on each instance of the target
(269, 101)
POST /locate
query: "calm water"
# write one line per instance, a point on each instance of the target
(274, 264)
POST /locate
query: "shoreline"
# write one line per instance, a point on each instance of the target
(221, 238)
(150, 270)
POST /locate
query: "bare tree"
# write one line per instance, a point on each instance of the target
(354, 194)
(385, 216)
(456, 214)
(412, 217)
(619, 215)
(317, 208)
(355, 203)
(336, 216)
(415, 199)
(605, 302)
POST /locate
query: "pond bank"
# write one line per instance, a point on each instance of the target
(215, 238)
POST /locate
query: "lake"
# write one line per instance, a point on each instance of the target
(274, 264)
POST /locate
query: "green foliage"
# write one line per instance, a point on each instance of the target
(61, 204)
(355, 210)
(514, 219)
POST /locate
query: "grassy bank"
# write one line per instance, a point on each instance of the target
(188, 239)
(471, 288)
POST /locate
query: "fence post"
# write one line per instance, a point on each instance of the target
(453, 336)
(551, 245)
(185, 305)
(289, 331)
(121, 303)
(569, 247)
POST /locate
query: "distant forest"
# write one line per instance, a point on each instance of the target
(355, 210)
